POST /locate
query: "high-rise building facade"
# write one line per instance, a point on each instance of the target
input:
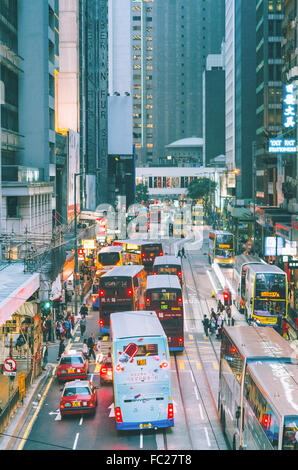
(290, 77)
(240, 53)
(171, 41)
(269, 17)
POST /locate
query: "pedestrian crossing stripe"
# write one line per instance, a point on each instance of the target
(77, 339)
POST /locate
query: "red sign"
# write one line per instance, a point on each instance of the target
(9, 365)
(101, 227)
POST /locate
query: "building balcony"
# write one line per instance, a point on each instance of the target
(9, 58)
(11, 140)
(21, 174)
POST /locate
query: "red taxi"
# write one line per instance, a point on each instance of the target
(106, 371)
(72, 365)
(78, 397)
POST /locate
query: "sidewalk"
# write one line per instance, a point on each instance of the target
(18, 412)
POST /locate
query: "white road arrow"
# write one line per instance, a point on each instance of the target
(112, 412)
(57, 412)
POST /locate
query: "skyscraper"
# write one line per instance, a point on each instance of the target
(171, 41)
(240, 68)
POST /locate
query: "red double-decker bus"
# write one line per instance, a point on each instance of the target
(164, 296)
(120, 289)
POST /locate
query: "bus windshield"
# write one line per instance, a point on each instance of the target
(224, 240)
(269, 285)
(167, 269)
(108, 259)
(269, 307)
(223, 253)
(160, 296)
(151, 249)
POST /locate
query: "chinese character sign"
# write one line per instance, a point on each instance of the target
(289, 106)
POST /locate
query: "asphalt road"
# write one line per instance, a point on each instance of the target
(194, 382)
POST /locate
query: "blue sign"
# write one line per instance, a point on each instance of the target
(289, 106)
(282, 146)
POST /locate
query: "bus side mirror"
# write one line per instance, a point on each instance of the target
(250, 301)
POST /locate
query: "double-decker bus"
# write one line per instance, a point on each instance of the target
(106, 258)
(266, 293)
(141, 251)
(258, 389)
(198, 214)
(168, 264)
(221, 247)
(239, 273)
(164, 296)
(122, 288)
(141, 372)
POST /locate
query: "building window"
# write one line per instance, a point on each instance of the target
(12, 207)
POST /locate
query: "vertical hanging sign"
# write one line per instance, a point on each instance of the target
(289, 106)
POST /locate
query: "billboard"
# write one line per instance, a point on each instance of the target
(73, 167)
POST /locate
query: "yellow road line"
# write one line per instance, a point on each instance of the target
(97, 368)
(28, 429)
(190, 336)
(181, 364)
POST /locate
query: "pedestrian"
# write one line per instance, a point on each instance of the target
(219, 306)
(179, 254)
(183, 252)
(213, 314)
(72, 320)
(58, 332)
(49, 327)
(206, 324)
(212, 324)
(61, 348)
(44, 355)
(85, 349)
(67, 326)
(91, 343)
(83, 325)
(229, 315)
(44, 330)
(219, 326)
(20, 343)
(84, 310)
(285, 329)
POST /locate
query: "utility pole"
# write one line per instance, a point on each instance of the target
(254, 192)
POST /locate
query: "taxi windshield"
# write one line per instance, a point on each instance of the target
(72, 360)
(71, 391)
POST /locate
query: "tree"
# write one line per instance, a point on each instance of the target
(142, 193)
(201, 189)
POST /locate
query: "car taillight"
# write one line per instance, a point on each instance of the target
(62, 406)
(170, 411)
(155, 273)
(129, 292)
(101, 293)
(161, 253)
(101, 322)
(103, 371)
(180, 340)
(180, 300)
(91, 404)
(148, 300)
(143, 255)
(164, 365)
(118, 415)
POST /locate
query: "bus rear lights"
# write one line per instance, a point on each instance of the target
(161, 253)
(180, 340)
(143, 255)
(170, 411)
(101, 322)
(179, 273)
(148, 300)
(119, 368)
(103, 371)
(155, 273)
(101, 293)
(118, 415)
(180, 300)
(129, 292)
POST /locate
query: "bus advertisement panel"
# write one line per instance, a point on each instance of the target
(141, 372)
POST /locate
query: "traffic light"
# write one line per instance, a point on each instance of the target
(227, 297)
(46, 306)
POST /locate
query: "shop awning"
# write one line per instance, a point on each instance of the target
(16, 287)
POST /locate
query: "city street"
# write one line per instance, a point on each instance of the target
(194, 380)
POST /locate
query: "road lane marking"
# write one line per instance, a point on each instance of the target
(196, 392)
(81, 421)
(30, 424)
(141, 440)
(76, 441)
(215, 365)
(207, 437)
(192, 377)
(181, 364)
(77, 339)
(201, 411)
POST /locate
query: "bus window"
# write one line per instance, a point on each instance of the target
(159, 296)
(108, 259)
(117, 283)
(145, 350)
